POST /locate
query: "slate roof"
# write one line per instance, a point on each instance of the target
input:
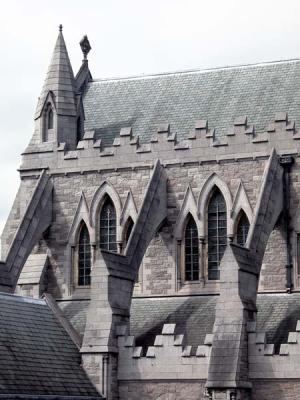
(37, 357)
(218, 95)
(75, 311)
(60, 81)
(277, 316)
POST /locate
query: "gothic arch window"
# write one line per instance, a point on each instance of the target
(84, 257)
(108, 228)
(50, 119)
(191, 250)
(48, 122)
(79, 129)
(216, 233)
(242, 229)
(128, 229)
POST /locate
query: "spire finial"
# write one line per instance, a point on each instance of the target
(60, 28)
(85, 46)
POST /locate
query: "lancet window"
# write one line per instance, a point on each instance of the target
(191, 250)
(216, 233)
(84, 257)
(242, 229)
(108, 237)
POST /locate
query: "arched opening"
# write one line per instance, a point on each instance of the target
(191, 250)
(216, 233)
(84, 257)
(242, 229)
(48, 122)
(127, 231)
(79, 129)
(108, 226)
(50, 119)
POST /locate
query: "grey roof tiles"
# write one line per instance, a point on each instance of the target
(37, 357)
(277, 316)
(180, 99)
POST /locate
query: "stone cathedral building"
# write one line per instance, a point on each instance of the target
(153, 248)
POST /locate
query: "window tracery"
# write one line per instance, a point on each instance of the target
(191, 250)
(216, 233)
(84, 257)
(108, 228)
(242, 229)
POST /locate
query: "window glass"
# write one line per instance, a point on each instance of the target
(242, 229)
(191, 251)
(84, 257)
(217, 233)
(108, 228)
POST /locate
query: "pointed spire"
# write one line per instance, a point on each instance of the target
(59, 81)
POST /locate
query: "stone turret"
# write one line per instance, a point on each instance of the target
(57, 111)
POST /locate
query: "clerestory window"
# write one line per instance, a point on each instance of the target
(242, 229)
(108, 228)
(84, 257)
(191, 250)
(216, 233)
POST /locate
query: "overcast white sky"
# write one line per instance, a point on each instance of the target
(127, 37)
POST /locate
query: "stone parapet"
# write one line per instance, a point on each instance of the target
(169, 358)
(265, 364)
(203, 145)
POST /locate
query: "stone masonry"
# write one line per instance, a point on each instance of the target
(159, 170)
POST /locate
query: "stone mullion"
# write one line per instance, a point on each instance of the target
(201, 259)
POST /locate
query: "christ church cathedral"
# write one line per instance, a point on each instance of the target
(153, 248)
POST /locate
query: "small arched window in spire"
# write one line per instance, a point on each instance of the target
(242, 229)
(128, 229)
(191, 250)
(79, 129)
(217, 233)
(108, 226)
(84, 257)
(50, 118)
(48, 123)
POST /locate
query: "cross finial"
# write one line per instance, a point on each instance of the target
(60, 28)
(85, 46)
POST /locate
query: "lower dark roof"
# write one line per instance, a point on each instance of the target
(277, 316)
(37, 357)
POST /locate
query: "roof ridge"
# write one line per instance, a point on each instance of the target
(195, 70)
(23, 299)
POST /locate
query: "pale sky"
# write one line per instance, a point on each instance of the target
(127, 37)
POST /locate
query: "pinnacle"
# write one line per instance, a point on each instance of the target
(59, 81)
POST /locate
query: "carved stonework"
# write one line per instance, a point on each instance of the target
(85, 46)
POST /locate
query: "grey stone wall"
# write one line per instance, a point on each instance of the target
(17, 211)
(160, 271)
(276, 389)
(273, 273)
(239, 157)
(157, 390)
